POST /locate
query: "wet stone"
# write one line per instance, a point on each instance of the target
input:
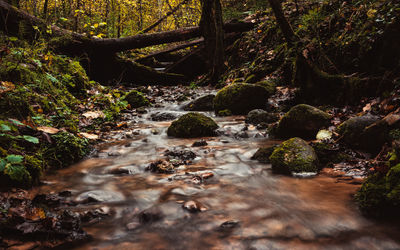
(183, 155)
(150, 215)
(200, 143)
(229, 224)
(99, 196)
(162, 166)
(194, 206)
(163, 116)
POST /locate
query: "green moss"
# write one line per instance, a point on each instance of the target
(262, 155)
(372, 195)
(192, 125)
(270, 86)
(240, 98)
(136, 99)
(251, 78)
(303, 121)
(66, 150)
(294, 155)
(225, 112)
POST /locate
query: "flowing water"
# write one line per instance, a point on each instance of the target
(243, 204)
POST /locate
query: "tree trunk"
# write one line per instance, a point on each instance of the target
(283, 23)
(102, 63)
(211, 27)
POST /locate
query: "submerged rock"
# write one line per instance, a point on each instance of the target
(183, 155)
(258, 116)
(204, 103)
(302, 121)
(240, 98)
(163, 116)
(192, 125)
(262, 155)
(136, 99)
(161, 166)
(200, 143)
(294, 156)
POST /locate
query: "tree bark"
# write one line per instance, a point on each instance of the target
(283, 23)
(211, 27)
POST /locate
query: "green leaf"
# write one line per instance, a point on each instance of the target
(3, 164)
(15, 159)
(16, 122)
(51, 78)
(31, 139)
(4, 127)
(17, 173)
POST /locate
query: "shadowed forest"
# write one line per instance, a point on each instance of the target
(210, 124)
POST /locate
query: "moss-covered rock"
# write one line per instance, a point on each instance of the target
(136, 99)
(269, 86)
(192, 125)
(240, 98)
(66, 149)
(303, 121)
(258, 116)
(262, 155)
(204, 103)
(379, 196)
(352, 130)
(294, 156)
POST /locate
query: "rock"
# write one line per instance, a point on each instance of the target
(379, 195)
(200, 143)
(141, 110)
(99, 196)
(136, 99)
(163, 116)
(229, 224)
(150, 215)
(294, 156)
(353, 130)
(192, 125)
(240, 98)
(262, 155)
(194, 206)
(268, 86)
(302, 121)
(204, 103)
(161, 166)
(183, 155)
(258, 116)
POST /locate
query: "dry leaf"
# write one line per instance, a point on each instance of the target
(89, 136)
(49, 130)
(93, 114)
(6, 86)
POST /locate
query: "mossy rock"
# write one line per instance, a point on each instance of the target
(67, 149)
(136, 99)
(262, 155)
(294, 156)
(204, 103)
(240, 98)
(258, 116)
(352, 130)
(302, 121)
(192, 125)
(268, 86)
(225, 112)
(327, 153)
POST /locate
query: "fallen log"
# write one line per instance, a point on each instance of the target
(99, 55)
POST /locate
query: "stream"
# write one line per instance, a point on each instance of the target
(221, 199)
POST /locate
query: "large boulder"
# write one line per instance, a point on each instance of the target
(302, 121)
(353, 131)
(257, 116)
(136, 99)
(240, 98)
(294, 156)
(192, 125)
(204, 103)
(262, 155)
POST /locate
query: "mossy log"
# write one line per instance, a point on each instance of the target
(100, 60)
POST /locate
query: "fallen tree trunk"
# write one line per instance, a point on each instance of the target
(99, 55)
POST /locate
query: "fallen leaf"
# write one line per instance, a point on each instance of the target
(391, 119)
(49, 130)
(93, 114)
(89, 136)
